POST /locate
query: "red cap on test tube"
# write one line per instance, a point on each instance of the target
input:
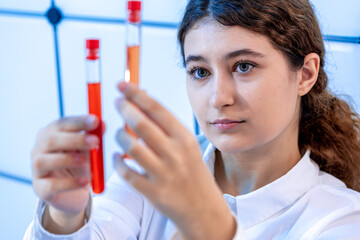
(93, 49)
(92, 43)
(134, 9)
(134, 5)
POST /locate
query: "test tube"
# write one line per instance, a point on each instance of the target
(94, 106)
(133, 38)
(133, 24)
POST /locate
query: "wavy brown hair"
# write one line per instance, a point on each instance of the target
(328, 126)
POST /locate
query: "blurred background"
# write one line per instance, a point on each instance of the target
(42, 75)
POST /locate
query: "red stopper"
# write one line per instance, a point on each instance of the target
(92, 43)
(134, 5)
(134, 9)
(93, 46)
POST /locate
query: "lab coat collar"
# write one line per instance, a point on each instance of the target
(256, 206)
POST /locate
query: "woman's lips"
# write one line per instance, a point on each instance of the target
(226, 124)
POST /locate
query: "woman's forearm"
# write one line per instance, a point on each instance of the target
(57, 222)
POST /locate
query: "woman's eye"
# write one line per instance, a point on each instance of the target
(244, 67)
(199, 73)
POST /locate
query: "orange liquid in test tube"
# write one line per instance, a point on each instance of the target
(133, 64)
(132, 72)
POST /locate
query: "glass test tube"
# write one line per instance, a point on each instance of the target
(133, 37)
(94, 104)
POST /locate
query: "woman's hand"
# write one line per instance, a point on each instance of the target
(60, 168)
(177, 182)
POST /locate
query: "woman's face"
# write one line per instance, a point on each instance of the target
(241, 89)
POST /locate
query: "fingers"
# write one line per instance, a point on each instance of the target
(143, 126)
(153, 109)
(67, 134)
(138, 181)
(60, 158)
(76, 124)
(56, 161)
(68, 141)
(103, 127)
(143, 155)
(48, 187)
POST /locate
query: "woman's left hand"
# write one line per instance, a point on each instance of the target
(177, 182)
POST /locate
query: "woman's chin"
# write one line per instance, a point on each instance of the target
(232, 146)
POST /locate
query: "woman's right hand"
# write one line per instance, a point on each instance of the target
(61, 172)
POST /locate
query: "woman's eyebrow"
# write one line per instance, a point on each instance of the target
(243, 52)
(234, 54)
(194, 59)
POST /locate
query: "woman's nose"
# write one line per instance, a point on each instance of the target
(223, 91)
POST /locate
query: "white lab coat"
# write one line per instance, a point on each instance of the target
(305, 203)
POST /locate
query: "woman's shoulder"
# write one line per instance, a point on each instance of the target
(332, 190)
(326, 210)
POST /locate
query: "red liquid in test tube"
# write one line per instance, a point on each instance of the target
(94, 104)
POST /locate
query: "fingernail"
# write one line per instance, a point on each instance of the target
(118, 163)
(92, 141)
(119, 92)
(82, 181)
(122, 86)
(124, 139)
(79, 159)
(90, 120)
(116, 156)
(119, 101)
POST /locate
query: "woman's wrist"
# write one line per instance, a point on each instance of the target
(223, 227)
(58, 222)
(211, 226)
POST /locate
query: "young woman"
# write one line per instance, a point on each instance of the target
(281, 152)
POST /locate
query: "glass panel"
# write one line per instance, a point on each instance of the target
(17, 208)
(25, 5)
(338, 18)
(164, 11)
(152, 10)
(343, 70)
(28, 88)
(162, 73)
(93, 8)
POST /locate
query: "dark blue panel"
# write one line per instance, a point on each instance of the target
(21, 13)
(15, 178)
(343, 39)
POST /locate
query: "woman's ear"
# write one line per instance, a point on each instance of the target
(308, 74)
